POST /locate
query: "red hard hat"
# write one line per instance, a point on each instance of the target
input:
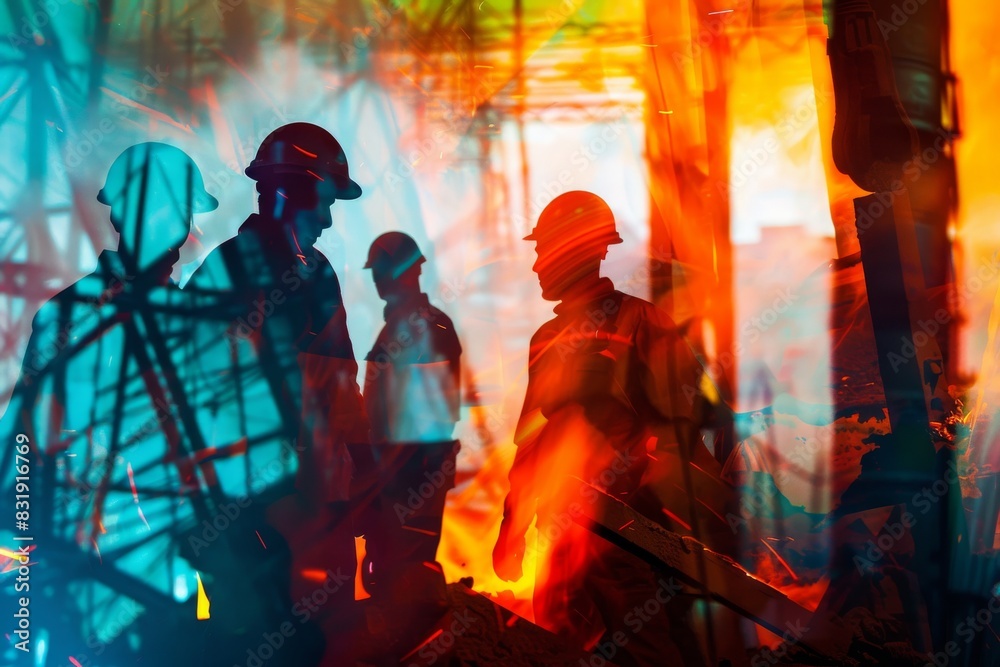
(578, 219)
(304, 148)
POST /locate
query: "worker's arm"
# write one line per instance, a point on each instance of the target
(521, 504)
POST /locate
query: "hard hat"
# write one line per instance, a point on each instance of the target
(304, 148)
(166, 173)
(578, 220)
(394, 252)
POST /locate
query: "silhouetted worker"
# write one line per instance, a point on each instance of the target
(93, 397)
(605, 389)
(412, 398)
(153, 190)
(286, 353)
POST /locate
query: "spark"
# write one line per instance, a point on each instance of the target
(97, 549)
(419, 530)
(203, 612)
(437, 633)
(433, 566)
(232, 63)
(780, 560)
(315, 175)
(9, 554)
(719, 516)
(304, 151)
(676, 518)
(721, 11)
(295, 238)
(74, 661)
(314, 575)
(153, 113)
(261, 539)
(666, 113)
(226, 146)
(131, 481)
(143, 517)
(627, 524)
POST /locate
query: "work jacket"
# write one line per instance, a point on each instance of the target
(412, 375)
(276, 368)
(610, 381)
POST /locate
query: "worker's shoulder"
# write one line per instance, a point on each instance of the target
(440, 317)
(73, 302)
(444, 329)
(548, 330)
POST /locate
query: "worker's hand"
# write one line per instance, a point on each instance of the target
(508, 554)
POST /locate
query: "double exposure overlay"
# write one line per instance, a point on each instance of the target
(499, 333)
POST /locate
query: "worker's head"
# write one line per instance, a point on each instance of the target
(571, 240)
(394, 260)
(301, 170)
(153, 190)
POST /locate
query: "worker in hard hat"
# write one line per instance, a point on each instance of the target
(92, 399)
(153, 190)
(412, 381)
(282, 356)
(606, 396)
